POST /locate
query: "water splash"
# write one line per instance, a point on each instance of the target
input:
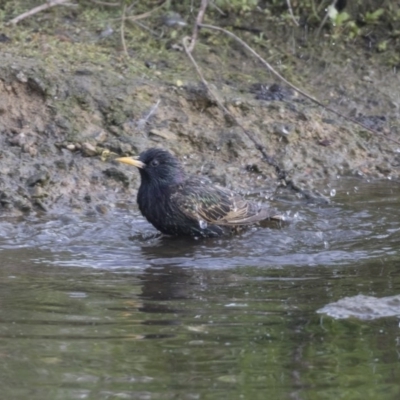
(203, 224)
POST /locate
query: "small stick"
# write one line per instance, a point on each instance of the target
(291, 12)
(199, 21)
(146, 28)
(325, 18)
(123, 30)
(217, 8)
(103, 3)
(129, 9)
(142, 122)
(33, 11)
(134, 19)
(146, 14)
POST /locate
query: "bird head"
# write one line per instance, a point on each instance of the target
(157, 167)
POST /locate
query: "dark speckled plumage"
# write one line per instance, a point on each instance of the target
(178, 204)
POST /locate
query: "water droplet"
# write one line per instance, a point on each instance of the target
(202, 224)
(333, 192)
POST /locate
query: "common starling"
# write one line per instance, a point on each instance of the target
(182, 205)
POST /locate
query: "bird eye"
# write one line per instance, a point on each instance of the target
(155, 163)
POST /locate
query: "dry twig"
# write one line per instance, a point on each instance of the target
(325, 18)
(199, 21)
(291, 12)
(146, 28)
(33, 11)
(213, 5)
(134, 18)
(123, 30)
(103, 3)
(143, 121)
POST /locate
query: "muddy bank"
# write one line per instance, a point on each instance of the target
(62, 121)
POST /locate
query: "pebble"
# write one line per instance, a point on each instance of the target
(22, 77)
(88, 149)
(38, 178)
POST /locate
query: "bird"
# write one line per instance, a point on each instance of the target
(179, 204)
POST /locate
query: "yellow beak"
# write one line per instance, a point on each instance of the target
(131, 161)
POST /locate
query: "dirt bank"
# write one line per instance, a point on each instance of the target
(69, 104)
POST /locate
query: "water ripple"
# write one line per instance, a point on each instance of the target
(363, 225)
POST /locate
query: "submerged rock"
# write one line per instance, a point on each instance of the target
(363, 307)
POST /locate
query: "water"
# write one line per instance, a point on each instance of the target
(103, 308)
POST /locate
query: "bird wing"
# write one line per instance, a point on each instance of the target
(216, 205)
